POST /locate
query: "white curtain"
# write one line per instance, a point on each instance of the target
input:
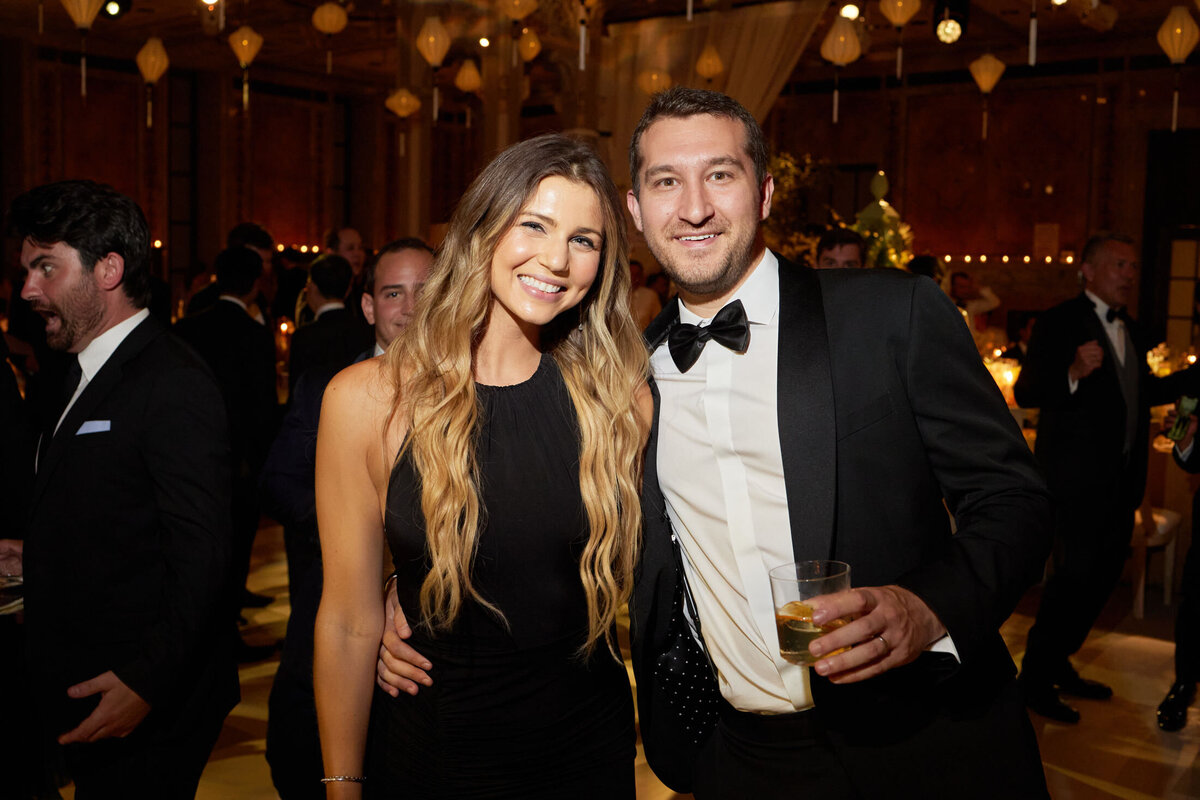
(759, 47)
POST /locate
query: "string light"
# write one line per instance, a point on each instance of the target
(484, 41)
(158, 244)
(1027, 259)
(966, 259)
(983, 259)
(947, 258)
(1004, 259)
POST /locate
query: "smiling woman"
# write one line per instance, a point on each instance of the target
(515, 408)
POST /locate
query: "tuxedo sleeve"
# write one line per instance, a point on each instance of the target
(185, 445)
(288, 485)
(1044, 381)
(988, 478)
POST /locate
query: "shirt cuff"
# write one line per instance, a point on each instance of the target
(945, 645)
(1184, 454)
(1072, 385)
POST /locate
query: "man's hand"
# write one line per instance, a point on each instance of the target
(1168, 422)
(120, 710)
(1088, 357)
(12, 561)
(400, 668)
(890, 627)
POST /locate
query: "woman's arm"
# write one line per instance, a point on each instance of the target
(351, 480)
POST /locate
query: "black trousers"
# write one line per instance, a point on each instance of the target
(155, 761)
(1187, 620)
(763, 757)
(293, 745)
(1091, 544)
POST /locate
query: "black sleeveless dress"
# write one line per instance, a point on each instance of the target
(513, 712)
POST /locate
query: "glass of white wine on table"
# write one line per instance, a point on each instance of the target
(792, 586)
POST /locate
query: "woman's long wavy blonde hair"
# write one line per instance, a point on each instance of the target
(598, 350)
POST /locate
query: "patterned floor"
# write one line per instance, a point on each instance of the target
(1115, 752)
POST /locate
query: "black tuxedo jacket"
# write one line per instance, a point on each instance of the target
(241, 354)
(330, 341)
(885, 410)
(127, 550)
(1081, 436)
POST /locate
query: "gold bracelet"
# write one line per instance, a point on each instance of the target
(343, 778)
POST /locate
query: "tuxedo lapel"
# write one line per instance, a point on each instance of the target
(93, 394)
(807, 427)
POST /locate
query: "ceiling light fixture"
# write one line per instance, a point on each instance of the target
(951, 20)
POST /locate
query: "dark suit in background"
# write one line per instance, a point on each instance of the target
(126, 565)
(331, 341)
(1092, 446)
(881, 416)
(241, 354)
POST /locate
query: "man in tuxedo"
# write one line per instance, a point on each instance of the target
(1086, 370)
(794, 427)
(127, 548)
(334, 336)
(240, 351)
(393, 281)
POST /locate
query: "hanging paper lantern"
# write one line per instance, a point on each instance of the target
(899, 12)
(841, 46)
(517, 10)
(708, 65)
(329, 18)
(529, 45)
(402, 103)
(152, 62)
(434, 42)
(652, 81)
(83, 14)
(245, 43)
(468, 78)
(986, 70)
(1177, 37)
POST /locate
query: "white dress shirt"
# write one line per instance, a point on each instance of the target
(721, 472)
(97, 353)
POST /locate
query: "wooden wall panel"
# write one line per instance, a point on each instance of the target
(290, 168)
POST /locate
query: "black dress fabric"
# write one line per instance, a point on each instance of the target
(513, 712)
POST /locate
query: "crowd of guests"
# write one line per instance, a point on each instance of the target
(493, 417)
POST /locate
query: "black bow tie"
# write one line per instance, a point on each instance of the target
(1115, 313)
(729, 328)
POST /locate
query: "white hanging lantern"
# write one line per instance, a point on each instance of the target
(899, 12)
(152, 62)
(433, 42)
(83, 14)
(402, 103)
(245, 43)
(841, 46)
(986, 70)
(517, 10)
(468, 78)
(1177, 37)
(329, 19)
(709, 65)
(529, 45)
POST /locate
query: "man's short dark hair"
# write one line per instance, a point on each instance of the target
(237, 268)
(249, 234)
(399, 245)
(331, 274)
(92, 218)
(680, 102)
(836, 237)
(1098, 242)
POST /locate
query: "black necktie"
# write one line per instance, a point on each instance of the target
(729, 328)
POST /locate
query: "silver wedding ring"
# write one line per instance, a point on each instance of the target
(886, 647)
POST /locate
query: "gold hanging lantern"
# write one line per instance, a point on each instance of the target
(329, 18)
(152, 62)
(83, 14)
(517, 10)
(245, 43)
(468, 78)
(433, 42)
(1177, 37)
(402, 103)
(529, 45)
(709, 65)
(653, 81)
(899, 12)
(986, 70)
(841, 46)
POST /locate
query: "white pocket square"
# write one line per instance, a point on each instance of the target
(94, 426)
